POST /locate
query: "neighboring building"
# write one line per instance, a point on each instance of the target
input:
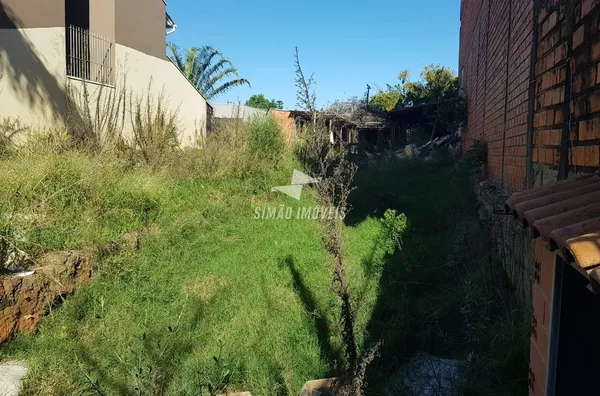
(51, 47)
(531, 75)
(526, 70)
(236, 111)
(290, 122)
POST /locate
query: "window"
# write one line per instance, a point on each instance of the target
(89, 55)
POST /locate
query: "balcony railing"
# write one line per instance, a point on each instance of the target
(90, 56)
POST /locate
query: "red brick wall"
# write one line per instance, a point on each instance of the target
(585, 104)
(287, 123)
(494, 70)
(495, 59)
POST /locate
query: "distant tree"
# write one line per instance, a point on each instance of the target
(388, 98)
(207, 69)
(261, 102)
(436, 83)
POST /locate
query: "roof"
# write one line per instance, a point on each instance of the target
(234, 110)
(567, 215)
(169, 24)
(417, 113)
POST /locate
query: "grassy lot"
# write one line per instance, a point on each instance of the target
(440, 294)
(215, 297)
(209, 281)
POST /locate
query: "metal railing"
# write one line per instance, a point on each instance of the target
(90, 56)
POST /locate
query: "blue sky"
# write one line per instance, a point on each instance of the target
(347, 44)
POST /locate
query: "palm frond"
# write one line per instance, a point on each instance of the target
(212, 81)
(229, 85)
(176, 55)
(205, 67)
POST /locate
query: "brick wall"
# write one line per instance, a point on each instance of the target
(287, 123)
(556, 109)
(585, 102)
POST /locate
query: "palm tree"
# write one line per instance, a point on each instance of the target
(206, 68)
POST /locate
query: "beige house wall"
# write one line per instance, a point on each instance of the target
(136, 73)
(32, 66)
(102, 18)
(34, 84)
(140, 24)
(166, 78)
(31, 13)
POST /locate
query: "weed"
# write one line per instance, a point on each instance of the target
(96, 120)
(155, 128)
(265, 138)
(9, 131)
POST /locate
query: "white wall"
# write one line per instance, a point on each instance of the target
(32, 66)
(181, 96)
(34, 83)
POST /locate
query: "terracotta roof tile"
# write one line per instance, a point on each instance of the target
(566, 214)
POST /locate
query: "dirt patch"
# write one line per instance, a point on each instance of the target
(25, 300)
(205, 287)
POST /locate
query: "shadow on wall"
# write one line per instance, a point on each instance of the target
(22, 69)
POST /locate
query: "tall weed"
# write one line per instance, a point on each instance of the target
(265, 138)
(9, 131)
(155, 127)
(96, 120)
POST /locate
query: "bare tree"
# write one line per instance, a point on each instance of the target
(305, 95)
(336, 173)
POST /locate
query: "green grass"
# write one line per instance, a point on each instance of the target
(215, 296)
(209, 280)
(440, 293)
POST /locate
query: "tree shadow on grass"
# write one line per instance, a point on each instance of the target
(328, 351)
(413, 282)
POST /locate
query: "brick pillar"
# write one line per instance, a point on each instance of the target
(542, 289)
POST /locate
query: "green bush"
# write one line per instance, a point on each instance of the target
(265, 138)
(476, 156)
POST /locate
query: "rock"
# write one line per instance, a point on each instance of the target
(25, 300)
(426, 375)
(317, 387)
(11, 376)
(411, 150)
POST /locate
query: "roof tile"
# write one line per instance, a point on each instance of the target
(567, 214)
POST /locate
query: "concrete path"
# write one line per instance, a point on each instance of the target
(11, 376)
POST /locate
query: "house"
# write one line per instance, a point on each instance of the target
(51, 50)
(350, 128)
(290, 122)
(529, 71)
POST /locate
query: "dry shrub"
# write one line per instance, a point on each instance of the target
(225, 151)
(9, 130)
(155, 127)
(95, 121)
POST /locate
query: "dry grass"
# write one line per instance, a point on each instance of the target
(155, 127)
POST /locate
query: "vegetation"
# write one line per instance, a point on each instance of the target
(217, 299)
(207, 69)
(437, 83)
(440, 293)
(265, 138)
(438, 88)
(261, 102)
